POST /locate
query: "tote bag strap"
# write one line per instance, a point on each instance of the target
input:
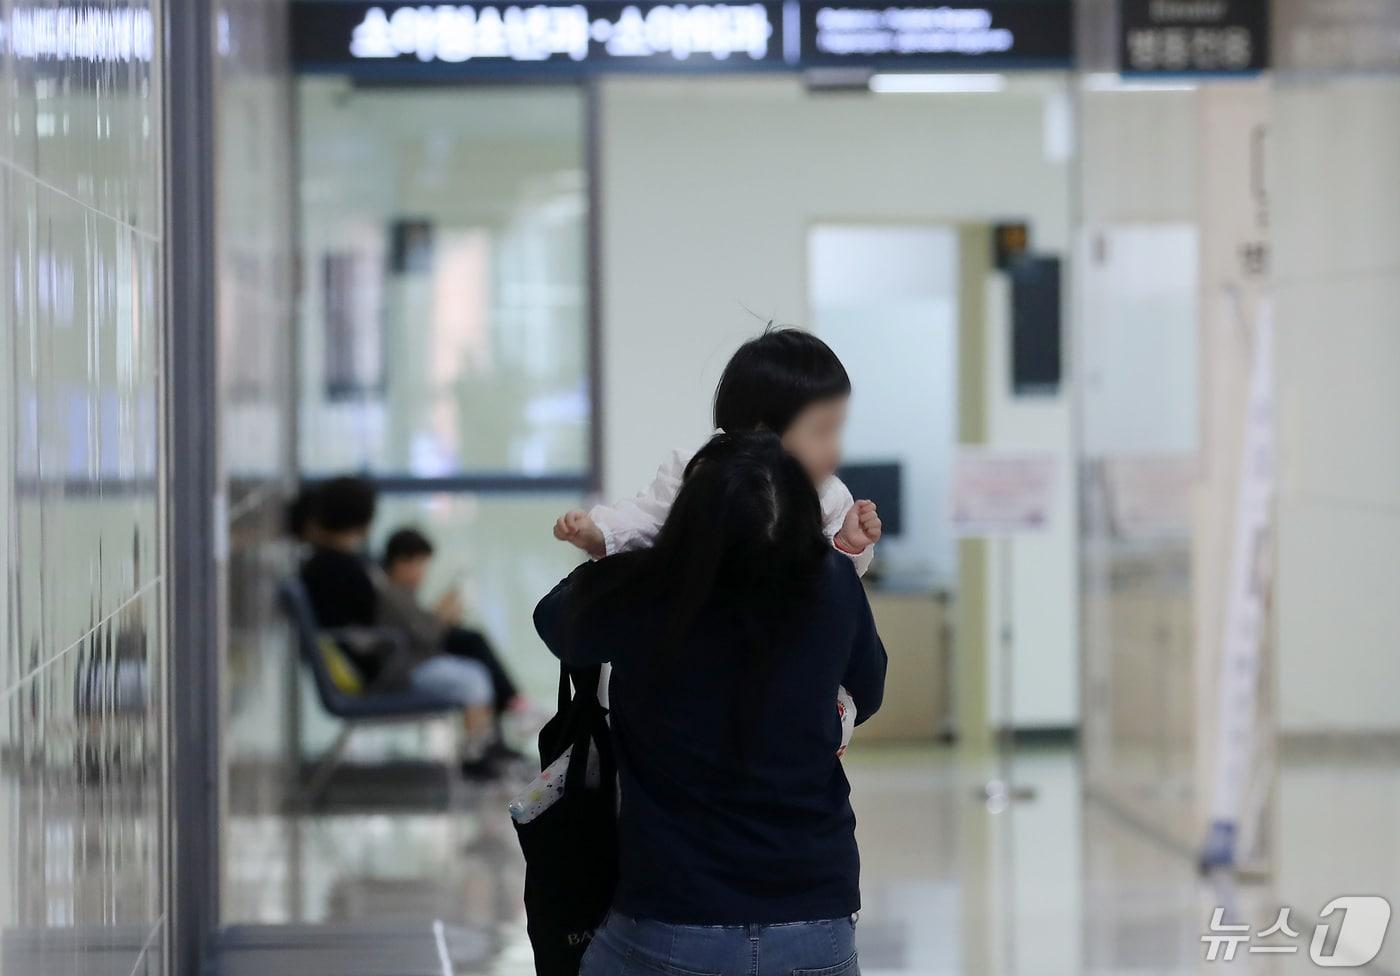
(564, 690)
(576, 706)
(591, 730)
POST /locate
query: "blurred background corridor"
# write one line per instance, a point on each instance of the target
(1117, 283)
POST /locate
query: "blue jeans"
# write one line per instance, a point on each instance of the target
(625, 946)
(466, 682)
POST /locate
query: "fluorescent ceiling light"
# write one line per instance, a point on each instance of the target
(1107, 81)
(936, 83)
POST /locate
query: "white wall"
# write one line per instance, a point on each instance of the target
(708, 190)
(1044, 573)
(1335, 169)
(878, 288)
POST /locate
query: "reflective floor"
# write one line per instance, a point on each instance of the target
(1055, 885)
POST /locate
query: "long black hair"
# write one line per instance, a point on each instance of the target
(746, 527)
(771, 378)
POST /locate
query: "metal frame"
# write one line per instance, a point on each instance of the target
(196, 529)
(593, 167)
(306, 634)
(330, 760)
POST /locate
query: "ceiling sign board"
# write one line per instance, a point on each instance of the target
(449, 39)
(1000, 33)
(539, 40)
(1194, 36)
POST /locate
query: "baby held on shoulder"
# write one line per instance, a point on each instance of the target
(786, 381)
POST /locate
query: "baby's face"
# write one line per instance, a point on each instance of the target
(814, 437)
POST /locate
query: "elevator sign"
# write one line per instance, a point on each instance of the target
(1194, 36)
(540, 39)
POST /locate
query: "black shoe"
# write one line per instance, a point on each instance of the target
(485, 768)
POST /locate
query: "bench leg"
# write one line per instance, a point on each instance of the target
(321, 777)
(454, 762)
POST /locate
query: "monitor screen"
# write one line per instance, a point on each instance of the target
(880, 482)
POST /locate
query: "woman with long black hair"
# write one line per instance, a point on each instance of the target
(728, 639)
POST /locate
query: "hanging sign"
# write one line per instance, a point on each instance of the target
(1194, 36)
(534, 40)
(1000, 33)
(1237, 754)
(452, 38)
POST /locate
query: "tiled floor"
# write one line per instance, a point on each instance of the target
(1056, 885)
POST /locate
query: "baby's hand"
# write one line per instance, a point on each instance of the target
(577, 528)
(861, 528)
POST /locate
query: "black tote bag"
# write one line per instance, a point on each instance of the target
(571, 848)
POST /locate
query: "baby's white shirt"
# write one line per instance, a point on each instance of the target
(633, 523)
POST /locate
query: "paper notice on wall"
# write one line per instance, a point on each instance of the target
(1246, 607)
(1000, 493)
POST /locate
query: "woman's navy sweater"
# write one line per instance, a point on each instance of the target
(735, 808)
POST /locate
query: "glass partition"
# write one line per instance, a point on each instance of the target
(445, 284)
(445, 345)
